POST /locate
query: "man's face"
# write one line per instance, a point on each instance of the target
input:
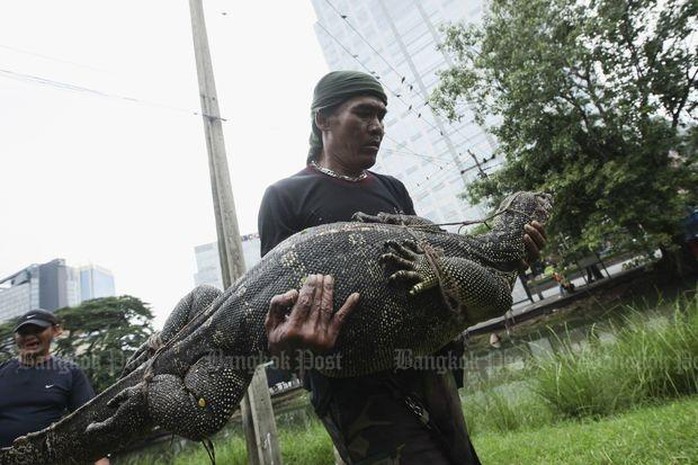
(34, 341)
(354, 133)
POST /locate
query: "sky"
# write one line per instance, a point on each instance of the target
(102, 157)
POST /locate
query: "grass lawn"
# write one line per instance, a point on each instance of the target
(661, 435)
(665, 434)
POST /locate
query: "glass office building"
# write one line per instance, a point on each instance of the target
(52, 285)
(208, 265)
(95, 282)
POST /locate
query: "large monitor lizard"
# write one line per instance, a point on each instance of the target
(420, 287)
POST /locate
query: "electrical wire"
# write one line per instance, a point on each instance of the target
(410, 107)
(93, 92)
(46, 57)
(411, 87)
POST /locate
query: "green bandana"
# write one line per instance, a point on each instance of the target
(334, 89)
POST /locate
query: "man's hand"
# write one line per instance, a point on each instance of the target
(534, 239)
(310, 324)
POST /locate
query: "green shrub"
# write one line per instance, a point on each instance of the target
(648, 362)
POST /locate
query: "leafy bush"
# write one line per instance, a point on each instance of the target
(648, 362)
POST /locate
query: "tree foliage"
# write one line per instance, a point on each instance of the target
(7, 341)
(594, 101)
(99, 335)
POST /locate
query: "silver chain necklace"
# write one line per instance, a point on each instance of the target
(334, 174)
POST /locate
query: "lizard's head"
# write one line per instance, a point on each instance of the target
(532, 205)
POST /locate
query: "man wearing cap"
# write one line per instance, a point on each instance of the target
(402, 417)
(37, 388)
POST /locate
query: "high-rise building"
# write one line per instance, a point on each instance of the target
(51, 286)
(19, 292)
(208, 265)
(396, 41)
(95, 282)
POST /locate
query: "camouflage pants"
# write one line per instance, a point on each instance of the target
(370, 422)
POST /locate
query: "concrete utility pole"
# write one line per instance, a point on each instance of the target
(257, 413)
(229, 242)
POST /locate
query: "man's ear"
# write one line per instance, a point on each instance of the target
(57, 330)
(322, 121)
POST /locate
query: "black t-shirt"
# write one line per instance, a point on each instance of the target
(309, 198)
(33, 397)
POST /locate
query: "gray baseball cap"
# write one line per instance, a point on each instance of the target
(38, 317)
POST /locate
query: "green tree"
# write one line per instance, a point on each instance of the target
(99, 335)
(594, 101)
(7, 340)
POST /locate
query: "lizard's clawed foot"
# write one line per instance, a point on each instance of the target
(412, 266)
(143, 353)
(130, 405)
(362, 217)
(383, 218)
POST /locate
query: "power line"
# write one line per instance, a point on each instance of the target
(403, 145)
(442, 176)
(442, 172)
(433, 159)
(344, 17)
(416, 155)
(447, 162)
(93, 92)
(46, 57)
(377, 52)
(398, 95)
(442, 168)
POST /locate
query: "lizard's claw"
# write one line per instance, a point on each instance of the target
(382, 218)
(129, 400)
(406, 248)
(124, 396)
(362, 217)
(391, 259)
(411, 265)
(401, 256)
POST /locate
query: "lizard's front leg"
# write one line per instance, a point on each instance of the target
(201, 402)
(468, 288)
(194, 406)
